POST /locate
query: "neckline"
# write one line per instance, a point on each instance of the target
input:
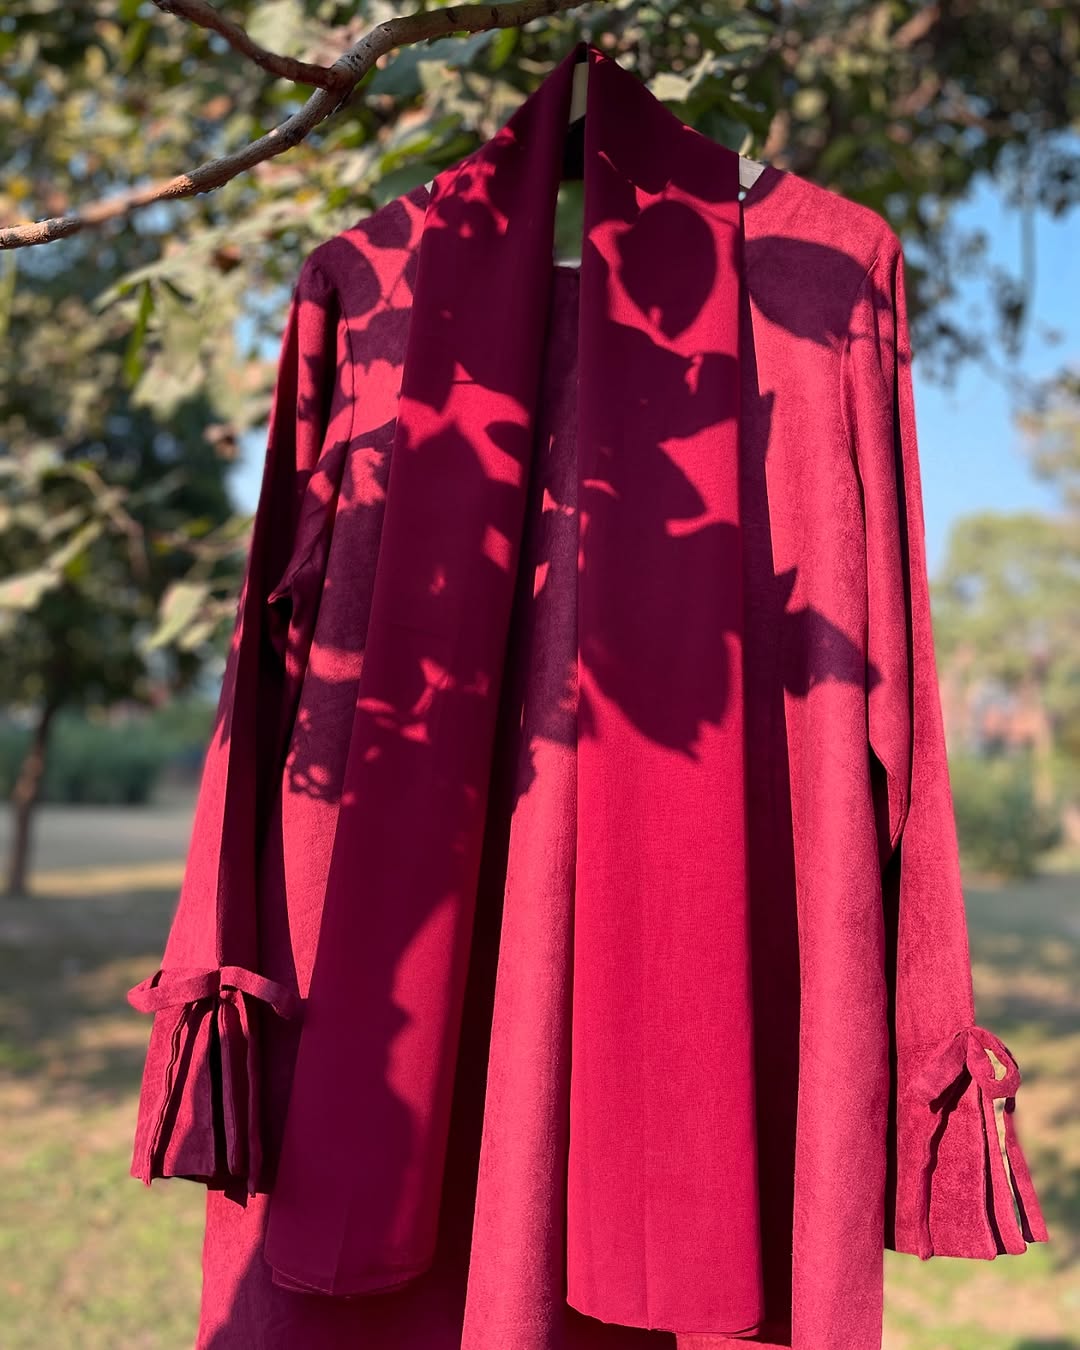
(770, 177)
(767, 180)
(604, 69)
(525, 155)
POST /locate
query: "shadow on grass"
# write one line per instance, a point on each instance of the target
(66, 963)
(90, 1258)
(1025, 947)
(1058, 1181)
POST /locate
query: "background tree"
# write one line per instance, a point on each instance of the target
(105, 499)
(1009, 591)
(140, 351)
(1005, 615)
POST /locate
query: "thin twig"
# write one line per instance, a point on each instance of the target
(917, 27)
(346, 72)
(300, 72)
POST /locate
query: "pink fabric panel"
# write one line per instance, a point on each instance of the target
(662, 1225)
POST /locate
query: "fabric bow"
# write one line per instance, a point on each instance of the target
(168, 988)
(944, 1077)
(202, 1098)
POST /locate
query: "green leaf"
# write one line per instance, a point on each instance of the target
(457, 51)
(840, 151)
(135, 45)
(8, 275)
(402, 180)
(279, 24)
(78, 542)
(502, 48)
(199, 633)
(133, 355)
(25, 591)
(400, 77)
(181, 606)
(670, 88)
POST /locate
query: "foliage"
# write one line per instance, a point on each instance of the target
(1009, 593)
(140, 355)
(1008, 596)
(1002, 829)
(107, 763)
(86, 559)
(897, 105)
(1052, 429)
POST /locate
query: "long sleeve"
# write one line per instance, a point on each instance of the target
(952, 1189)
(198, 1113)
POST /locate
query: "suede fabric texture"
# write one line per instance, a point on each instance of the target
(571, 951)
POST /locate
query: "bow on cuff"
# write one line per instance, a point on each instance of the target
(199, 1106)
(946, 1074)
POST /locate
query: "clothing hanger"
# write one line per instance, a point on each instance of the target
(574, 148)
(573, 160)
(574, 152)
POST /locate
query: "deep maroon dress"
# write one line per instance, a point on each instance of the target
(571, 952)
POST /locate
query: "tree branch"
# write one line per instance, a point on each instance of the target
(343, 76)
(300, 72)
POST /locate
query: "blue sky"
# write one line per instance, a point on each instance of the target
(969, 448)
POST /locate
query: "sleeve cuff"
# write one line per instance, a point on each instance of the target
(198, 1114)
(958, 1193)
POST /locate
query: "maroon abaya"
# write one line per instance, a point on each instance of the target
(571, 952)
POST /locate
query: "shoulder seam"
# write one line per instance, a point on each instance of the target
(312, 267)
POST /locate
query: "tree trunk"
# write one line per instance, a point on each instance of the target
(24, 797)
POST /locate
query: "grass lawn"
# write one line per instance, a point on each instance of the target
(89, 1258)
(1025, 947)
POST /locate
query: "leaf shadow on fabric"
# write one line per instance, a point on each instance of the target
(448, 679)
